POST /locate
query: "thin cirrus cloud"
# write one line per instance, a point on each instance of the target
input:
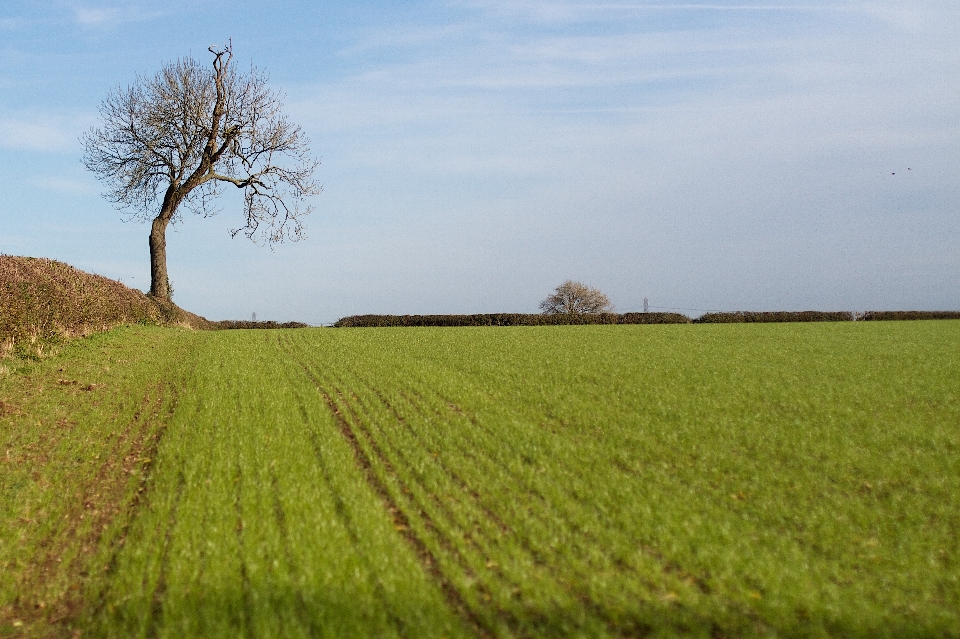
(107, 17)
(47, 133)
(719, 124)
(553, 11)
(432, 92)
(484, 53)
(721, 7)
(910, 16)
(89, 17)
(65, 185)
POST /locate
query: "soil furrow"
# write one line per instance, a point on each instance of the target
(160, 589)
(280, 514)
(401, 522)
(244, 575)
(584, 598)
(100, 500)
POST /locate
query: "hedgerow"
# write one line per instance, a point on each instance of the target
(878, 316)
(509, 319)
(43, 299)
(742, 317)
(247, 324)
(527, 319)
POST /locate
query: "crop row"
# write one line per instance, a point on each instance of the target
(786, 480)
(257, 520)
(620, 482)
(77, 431)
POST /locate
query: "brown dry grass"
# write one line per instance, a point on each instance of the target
(43, 300)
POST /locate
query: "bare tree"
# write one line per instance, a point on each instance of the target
(574, 297)
(182, 135)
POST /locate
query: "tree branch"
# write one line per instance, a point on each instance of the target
(175, 137)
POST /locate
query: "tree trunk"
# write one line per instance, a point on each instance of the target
(159, 282)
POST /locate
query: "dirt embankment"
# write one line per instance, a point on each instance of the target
(43, 299)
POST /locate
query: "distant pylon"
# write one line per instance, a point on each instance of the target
(254, 317)
(645, 306)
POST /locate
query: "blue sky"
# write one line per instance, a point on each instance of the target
(476, 154)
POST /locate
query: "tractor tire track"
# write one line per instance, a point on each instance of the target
(349, 413)
(667, 567)
(354, 425)
(244, 574)
(400, 519)
(584, 598)
(160, 589)
(99, 503)
(343, 514)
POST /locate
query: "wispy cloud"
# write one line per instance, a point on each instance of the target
(910, 16)
(516, 62)
(648, 147)
(96, 17)
(391, 37)
(705, 7)
(67, 185)
(559, 11)
(107, 17)
(52, 133)
(9, 24)
(730, 7)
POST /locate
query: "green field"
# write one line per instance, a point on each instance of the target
(796, 480)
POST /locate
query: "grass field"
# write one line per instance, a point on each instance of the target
(796, 480)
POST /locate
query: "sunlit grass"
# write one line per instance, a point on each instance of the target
(724, 480)
(260, 522)
(75, 430)
(776, 479)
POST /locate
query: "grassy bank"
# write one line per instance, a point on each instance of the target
(718, 480)
(44, 301)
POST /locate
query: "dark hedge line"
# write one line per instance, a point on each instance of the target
(879, 316)
(743, 317)
(509, 319)
(654, 318)
(225, 325)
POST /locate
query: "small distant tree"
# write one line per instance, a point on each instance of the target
(576, 298)
(182, 135)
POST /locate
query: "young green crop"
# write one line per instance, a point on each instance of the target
(260, 522)
(605, 481)
(746, 480)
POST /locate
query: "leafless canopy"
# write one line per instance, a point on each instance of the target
(576, 298)
(180, 136)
